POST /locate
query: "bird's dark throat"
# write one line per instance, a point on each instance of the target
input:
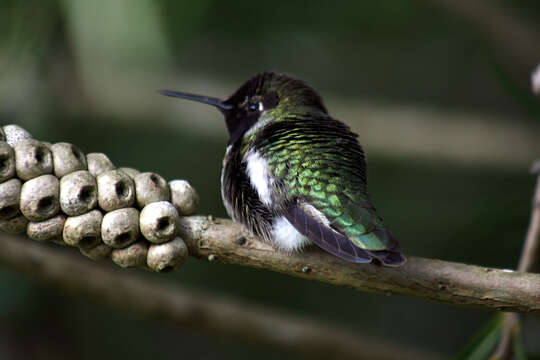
(238, 124)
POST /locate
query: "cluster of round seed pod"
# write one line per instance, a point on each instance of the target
(56, 193)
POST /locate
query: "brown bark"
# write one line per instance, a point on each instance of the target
(454, 283)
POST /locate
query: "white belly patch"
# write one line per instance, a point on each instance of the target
(259, 177)
(286, 237)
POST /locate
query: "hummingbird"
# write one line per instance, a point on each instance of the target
(294, 175)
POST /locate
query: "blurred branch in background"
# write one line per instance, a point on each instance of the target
(531, 248)
(112, 71)
(527, 263)
(535, 80)
(513, 37)
(460, 138)
(204, 312)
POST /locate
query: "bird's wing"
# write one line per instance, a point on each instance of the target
(324, 237)
(319, 162)
(338, 244)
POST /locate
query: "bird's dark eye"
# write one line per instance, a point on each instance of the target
(253, 106)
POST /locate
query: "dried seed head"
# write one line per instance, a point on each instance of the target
(98, 163)
(168, 256)
(115, 190)
(7, 161)
(67, 158)
(132, 256)
(14, 134)
(83, 231)
(32, 159)
(131, 172)
(39, 198)
(159, 222)
(184, 197)
(120, 228)
(46, 230)
(149, 188)
(10, 192)
(78, 193)
(98, 252)
(16, 225)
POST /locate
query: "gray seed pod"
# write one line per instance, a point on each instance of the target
(15, 134)
(120, 228)
(167, 257)
(10, 192)
(184, 197)
(39, 198)
(132, 256)
(115, 190)
(159, 222)
(98, 163)
(67, 158)
(131, 172)
(149, 188)
(32, 159)
(47, 230)
(83, 231)
(7, 161)
(78, 193)
(16, 225)
(98, 252)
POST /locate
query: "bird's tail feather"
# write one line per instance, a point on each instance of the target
(388, 257)
(338, 244)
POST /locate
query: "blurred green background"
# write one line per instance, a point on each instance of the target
(439, 94)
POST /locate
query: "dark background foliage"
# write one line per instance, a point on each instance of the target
(443, 111)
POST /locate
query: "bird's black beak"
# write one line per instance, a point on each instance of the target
(218, 103)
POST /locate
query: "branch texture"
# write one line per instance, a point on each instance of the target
(454, 283)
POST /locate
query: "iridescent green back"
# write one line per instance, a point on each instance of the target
(318, 160)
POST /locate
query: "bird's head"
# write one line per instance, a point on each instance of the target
(264, 98)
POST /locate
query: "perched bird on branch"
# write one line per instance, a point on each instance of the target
(293, 175)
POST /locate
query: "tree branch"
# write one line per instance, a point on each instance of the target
(531, 248)
(527, 263)
(197, 310)
(454, 283)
